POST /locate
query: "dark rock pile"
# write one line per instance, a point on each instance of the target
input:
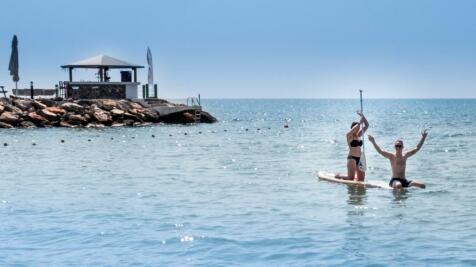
(26, 113)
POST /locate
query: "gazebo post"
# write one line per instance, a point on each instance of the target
(101, 75)
(135, 74)
(70, 74)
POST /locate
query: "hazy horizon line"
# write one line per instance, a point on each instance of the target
(334, 98)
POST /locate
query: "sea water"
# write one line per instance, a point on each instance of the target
(243, 191)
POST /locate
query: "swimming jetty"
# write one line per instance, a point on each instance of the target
(97, 103)
(95, 113)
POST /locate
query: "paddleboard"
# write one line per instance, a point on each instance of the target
(331, 177)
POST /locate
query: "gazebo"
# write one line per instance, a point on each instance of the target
(103, 87)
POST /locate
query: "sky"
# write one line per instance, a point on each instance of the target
(254, 48)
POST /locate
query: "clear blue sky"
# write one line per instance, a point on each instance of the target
(255, 48)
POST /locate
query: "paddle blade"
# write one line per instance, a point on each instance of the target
(363, 163)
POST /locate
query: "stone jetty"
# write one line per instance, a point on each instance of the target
(28, 113)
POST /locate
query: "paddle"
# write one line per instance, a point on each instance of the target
(363, 161)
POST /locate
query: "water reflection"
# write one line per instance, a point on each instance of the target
(357, 195)
(400, 195)
(356, 235)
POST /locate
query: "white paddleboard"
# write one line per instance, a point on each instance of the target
(331, 177)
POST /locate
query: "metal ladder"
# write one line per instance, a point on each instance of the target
(197, 116)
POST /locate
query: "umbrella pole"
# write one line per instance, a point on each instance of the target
(16, 85)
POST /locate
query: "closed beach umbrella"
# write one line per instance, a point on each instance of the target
(150, 76)
(13, 65)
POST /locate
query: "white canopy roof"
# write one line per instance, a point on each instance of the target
(101, 61)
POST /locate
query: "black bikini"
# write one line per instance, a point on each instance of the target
(357, 159)
(355, 143)
(403, 181)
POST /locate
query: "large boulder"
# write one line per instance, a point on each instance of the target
(101, 115)
(86, 102)
(47, 102)
(23, 104)
(10, 117)
(76, 119)
(12, 108)
(135, 111)
(87, 116)
(27, 124)
(135, 105)
(188, 117)
(151, 114)
(107, 104)
(123, 105)
(2, 108)
(128, 122)
(138, 113)
(178, 117)
(38, 105)
(48, 114)
(56, 110)
(129, 116)
(34, 117)
(5, 125)
(117, 113)
(72, 107)
(207, 117)
(66, 124)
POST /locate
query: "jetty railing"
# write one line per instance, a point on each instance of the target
(146, 91)
(62, 89)
(3, 91)
(194, 101)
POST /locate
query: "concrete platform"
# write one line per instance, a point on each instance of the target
(166, 109)
(163, 110)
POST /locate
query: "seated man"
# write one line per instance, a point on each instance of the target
(398, 161)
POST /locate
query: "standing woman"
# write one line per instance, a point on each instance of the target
(355, 149)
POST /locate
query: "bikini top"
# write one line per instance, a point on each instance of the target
(356, 143)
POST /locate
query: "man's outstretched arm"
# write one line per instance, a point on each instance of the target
(412, 152)
(379, 150)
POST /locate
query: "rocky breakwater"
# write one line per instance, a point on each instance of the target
(26, 113)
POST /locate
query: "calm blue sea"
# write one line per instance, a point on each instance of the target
(241, 192)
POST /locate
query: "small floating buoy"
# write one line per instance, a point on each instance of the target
(153, 136)
(170, 134)
(112, 138)
(200, 132)
(33, 144)
(286, 125)
(225, 130)
(185, 133)
(5, 144)
(246, 129)
(133, 137)
(62, 140)
(89, 140)
(258, 129)
(269, 128)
